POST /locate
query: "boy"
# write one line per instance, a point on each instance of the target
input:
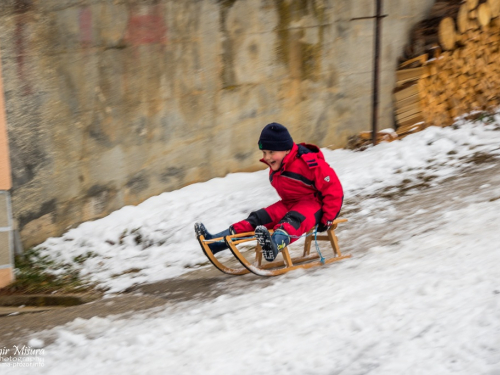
(310, 192)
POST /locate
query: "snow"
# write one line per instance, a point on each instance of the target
(36, 343)
(428, 303)
(154, 240)
(419, 307)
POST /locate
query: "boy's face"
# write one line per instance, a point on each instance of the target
(274, 158)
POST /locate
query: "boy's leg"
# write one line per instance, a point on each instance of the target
(271, 245)
(215, 247)
(301, 217)
(268, 217)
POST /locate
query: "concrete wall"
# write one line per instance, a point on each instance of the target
(112, 101)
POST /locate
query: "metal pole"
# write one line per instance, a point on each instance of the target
(376, 68)
(376, 64)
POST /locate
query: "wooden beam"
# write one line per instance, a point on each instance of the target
(406, 75)
(406, 93)
(421, 59)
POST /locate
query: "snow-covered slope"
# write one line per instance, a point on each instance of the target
(427, 303)
(155, 240)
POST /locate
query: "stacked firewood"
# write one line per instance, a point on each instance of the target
(451, 67)
(364, 139)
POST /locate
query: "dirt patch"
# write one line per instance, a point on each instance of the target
(16, 329)
(398, 191)
(47, 300)
(482, 158)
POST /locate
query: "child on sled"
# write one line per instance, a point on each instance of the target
(310, 192)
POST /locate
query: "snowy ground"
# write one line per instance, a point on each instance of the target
(424, 298)
(155, 240)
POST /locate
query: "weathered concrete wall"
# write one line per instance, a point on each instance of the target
(112, 101)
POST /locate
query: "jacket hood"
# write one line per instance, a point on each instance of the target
(305, 148)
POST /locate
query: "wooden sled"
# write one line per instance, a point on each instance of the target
(307, 260)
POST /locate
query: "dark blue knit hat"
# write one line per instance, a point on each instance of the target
(275, 137)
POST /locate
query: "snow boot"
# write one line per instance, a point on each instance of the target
(271, 245)
(215, 247)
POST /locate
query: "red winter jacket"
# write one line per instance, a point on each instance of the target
(304, 173)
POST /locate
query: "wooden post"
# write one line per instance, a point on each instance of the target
(334, 242)
(286, 257)
(307, 243)
(258, 255)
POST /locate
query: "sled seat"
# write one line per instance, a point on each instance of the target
(288, 261)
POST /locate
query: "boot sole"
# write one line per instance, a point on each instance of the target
(265, 242)
(200, 230)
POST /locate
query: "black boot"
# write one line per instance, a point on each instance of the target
(215, 247)
(271, 245)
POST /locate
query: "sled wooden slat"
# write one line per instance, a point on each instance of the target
(244, 240)
(250, 236)
(321, 238)
(281, 263)
(338, 221)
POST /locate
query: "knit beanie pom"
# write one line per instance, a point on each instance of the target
(275, 137)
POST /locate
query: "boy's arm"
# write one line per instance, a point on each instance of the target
(332, 194)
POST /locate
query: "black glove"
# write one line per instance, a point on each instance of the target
(323, 226)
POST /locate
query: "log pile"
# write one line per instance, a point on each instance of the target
(451, 67)
(363, 140)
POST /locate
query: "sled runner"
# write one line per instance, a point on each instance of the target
(275, 268)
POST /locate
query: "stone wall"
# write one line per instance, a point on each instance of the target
(112, 101)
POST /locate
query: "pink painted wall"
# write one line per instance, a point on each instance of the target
(5, 178)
